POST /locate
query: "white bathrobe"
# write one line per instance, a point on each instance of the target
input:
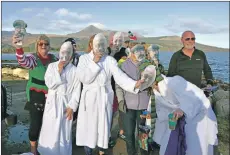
(201, 124)
(64, 91)
(95, 110)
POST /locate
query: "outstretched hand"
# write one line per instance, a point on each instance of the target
(138, 83)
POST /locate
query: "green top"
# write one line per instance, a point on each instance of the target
(190, 68)
(36, 76)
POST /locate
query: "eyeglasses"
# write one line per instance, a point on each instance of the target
(41, 44)
(187, 39)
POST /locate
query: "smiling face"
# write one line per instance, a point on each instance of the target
(188, 40)
(43, 47)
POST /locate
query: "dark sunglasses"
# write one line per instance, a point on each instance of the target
(41, 44)
(187, 39)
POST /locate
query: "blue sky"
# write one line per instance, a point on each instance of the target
(209, 20)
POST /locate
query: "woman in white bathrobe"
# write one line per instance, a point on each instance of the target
(95, 110)
(64, 91)
(181, 97)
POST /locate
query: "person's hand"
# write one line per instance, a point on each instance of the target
(122, 106)
(209, 86)
(178, 113)
(69, 113)
(16, 39)
(142, 116)
(155, 86)
(139, 82)
(124, 57)
(97, 57)
(61, 66)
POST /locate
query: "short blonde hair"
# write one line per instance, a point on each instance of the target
(42, 37)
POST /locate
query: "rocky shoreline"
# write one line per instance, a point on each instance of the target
(220, 101)
(20, 72)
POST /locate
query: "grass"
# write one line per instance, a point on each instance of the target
(223, 135)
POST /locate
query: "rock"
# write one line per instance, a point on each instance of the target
(222, 108)
(7, 71)
(224, 86)
(211, 100)
(23, 73)
(220, 94)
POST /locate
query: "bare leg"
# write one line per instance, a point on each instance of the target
(33, 147)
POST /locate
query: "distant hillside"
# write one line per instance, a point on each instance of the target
(166, 43)
(86, 32)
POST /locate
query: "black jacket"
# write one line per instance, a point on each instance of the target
(117, 56)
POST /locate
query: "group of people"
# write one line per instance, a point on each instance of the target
(108, 73)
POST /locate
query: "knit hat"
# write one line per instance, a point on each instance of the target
(73, 42)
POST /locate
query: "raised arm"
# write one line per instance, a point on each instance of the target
(121, 78)
(27, 61)
(52, 77)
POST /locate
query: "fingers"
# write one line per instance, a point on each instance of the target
(69, 114)
(177, 114)
(100, 55)
(15, 39)
(142, 81)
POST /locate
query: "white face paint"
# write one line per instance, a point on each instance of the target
(100, 44)
(139, 53)
(66, 52)
(117, 43)
(65, 55)
(154, 54)
(128, 52)
(118, 40)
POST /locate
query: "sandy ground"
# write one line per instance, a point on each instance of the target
(15, 138)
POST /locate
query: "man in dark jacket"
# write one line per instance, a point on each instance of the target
(190, 62)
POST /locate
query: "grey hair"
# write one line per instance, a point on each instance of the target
(186, 32)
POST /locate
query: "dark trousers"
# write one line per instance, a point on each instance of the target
(35, 123)
(35, 107)
(121, 120)
(89, 151)
(131, 120)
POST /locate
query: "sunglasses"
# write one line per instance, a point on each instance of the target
(41, 44)
(187, 39)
